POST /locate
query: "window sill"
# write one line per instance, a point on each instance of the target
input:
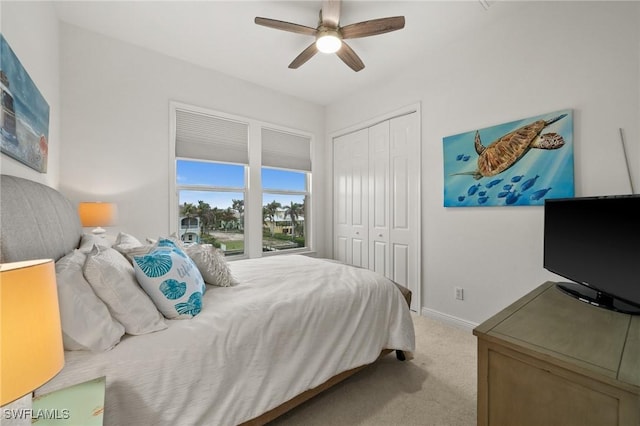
(301, 251)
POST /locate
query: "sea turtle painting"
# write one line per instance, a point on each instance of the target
(507, 150)
(532, 157)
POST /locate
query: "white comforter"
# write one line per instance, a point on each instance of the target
(292, 323)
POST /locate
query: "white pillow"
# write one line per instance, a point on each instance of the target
(86, 321)
(89, 240)
(132, 252)
(173, 237)
(129, 246)
(172, 281)
(114, 281)
(126, 241)
(212, 265)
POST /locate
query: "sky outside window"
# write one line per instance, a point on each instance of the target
(219, 199)
(210, 174)
(283, 180)
(284, 200)
(223, 175)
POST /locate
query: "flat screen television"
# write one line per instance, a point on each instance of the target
(595, 243)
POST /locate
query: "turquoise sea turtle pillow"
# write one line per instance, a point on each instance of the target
(172, 281)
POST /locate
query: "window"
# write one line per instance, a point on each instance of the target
(284, 202)
(286, 165)
(213, 201)
(211, 204)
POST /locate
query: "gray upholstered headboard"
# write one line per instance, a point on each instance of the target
(36, 221)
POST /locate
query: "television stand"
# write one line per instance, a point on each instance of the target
(549, 359)
(596, 298)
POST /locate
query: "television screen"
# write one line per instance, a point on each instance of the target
(595, 242)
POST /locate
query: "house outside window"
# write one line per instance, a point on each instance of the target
(241, 185)
(189, 230)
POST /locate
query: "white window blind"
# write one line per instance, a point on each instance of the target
(205, 137)
(285, 150)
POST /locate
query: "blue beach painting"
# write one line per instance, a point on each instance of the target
(24, 116)
(520, 163)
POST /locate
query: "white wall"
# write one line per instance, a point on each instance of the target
(31, 29)
(116, 123)
(544, 56)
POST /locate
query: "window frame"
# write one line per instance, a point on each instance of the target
(213, 188)
(306, 193)
(253, 191)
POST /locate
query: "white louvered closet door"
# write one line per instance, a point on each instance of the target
(379, 205)
(351, 190)
(404, 203)
(388, 208)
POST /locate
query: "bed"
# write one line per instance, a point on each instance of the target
(291, 327)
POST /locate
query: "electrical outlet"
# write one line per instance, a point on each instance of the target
(459, 293)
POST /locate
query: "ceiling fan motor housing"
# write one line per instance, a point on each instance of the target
(328, 40)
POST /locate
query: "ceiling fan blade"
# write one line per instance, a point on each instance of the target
(285, 26)
(350, 58)
(373, 27)
(304, 56)
(331, 13)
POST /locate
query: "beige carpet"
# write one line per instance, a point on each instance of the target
(436, 387)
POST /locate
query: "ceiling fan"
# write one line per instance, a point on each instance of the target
(330, 35)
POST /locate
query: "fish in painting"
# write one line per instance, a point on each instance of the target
(529, 183)
(512, 197)
(473, 189)
(493, 183)
(539, 193)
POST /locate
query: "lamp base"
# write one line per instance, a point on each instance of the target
(18, 412)
(98, 231)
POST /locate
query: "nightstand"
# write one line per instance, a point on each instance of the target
(77, 405)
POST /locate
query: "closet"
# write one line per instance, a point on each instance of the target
(377, 200)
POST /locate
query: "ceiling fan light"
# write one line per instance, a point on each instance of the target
(328, 43)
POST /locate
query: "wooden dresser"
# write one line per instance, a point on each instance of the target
(549, 359)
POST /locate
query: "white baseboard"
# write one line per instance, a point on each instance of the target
(449, 319)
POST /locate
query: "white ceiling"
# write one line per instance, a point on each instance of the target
(221, 35)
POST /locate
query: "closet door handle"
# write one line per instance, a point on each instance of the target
(380, 235)
(357, 233)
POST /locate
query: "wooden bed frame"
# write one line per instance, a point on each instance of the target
(307, 395)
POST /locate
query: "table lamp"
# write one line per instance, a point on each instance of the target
(31, 351)
(97, 214)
